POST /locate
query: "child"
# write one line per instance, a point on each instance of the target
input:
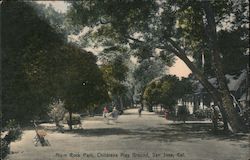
(105, 111)
(139, 111)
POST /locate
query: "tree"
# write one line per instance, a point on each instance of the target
(29, 67)
(146, 71)
(166, 25)
(166, 91)
(83, 85)
(29, 62)
(38, 67)
(115, 73)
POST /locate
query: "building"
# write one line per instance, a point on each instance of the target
(237, 84)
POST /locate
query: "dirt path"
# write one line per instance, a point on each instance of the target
(144, 138)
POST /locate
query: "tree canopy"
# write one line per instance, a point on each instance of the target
(28, 55)
(180, 28)
(166, 91)
(39, 66)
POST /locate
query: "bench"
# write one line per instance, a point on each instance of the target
(75, 122)
(40, 136)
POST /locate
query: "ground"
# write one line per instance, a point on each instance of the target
(148, 137)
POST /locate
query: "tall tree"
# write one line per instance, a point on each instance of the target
(146, 71)
(165, 25)
(166, 90)
(29, 61)
(115, 73)
(83, 84)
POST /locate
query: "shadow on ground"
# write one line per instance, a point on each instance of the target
(99, 132)
(186, 132)
(166, 133)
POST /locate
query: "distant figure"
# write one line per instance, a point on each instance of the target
(166, 114)
(215, 116)
(175, 114)
(139, 111)
(115, 113)
(105, 111)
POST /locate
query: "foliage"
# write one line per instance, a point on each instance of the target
(38, 67)
(5, 148)
(14, 133)
(75, 117)
(57, 112)
(231, 19)
(83, 84)
(200, 113)
(145, 72)
(29, 61)
(166, 90)
(180, 28)
(246, 118)
(183, 112)
(115, 73)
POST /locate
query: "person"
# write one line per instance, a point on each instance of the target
(215, 116)
(175, 114)
(115, 113)
(105, 111)
(139, 111)
(166, 114)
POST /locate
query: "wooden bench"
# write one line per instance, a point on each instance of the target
(75, 122)
(40, 137)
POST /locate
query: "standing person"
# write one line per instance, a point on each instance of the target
(105, 111)
(139, 111)
(115, 113)
(215, 117)
(166, 114)
(175, 114)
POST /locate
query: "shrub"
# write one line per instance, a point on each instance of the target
(246, 118)
(4, 148)
(75, 117)
(200, 113)
(57, 112)
(183, 113)
(14, 133)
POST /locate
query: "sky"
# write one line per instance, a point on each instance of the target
(179, 68)
(59, 6)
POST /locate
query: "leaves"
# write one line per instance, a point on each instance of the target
(166, 90)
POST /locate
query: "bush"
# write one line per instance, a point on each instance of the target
(13, 133)
(57, 112)
(75, 117)
(200, 114)
(4, 148)
(183, 113)
(246, 118)
(150, 108)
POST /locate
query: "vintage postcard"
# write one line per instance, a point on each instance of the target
(124, 80)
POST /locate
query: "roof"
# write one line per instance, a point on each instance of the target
(234, 82)
(243, 97)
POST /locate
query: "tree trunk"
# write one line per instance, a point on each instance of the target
(121, 102)
(198, 74)
(70, 120)
(227, 101)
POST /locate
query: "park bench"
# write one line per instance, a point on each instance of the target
(40, 137)
(75, 123)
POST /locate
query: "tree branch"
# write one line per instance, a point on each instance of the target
(136, 40)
